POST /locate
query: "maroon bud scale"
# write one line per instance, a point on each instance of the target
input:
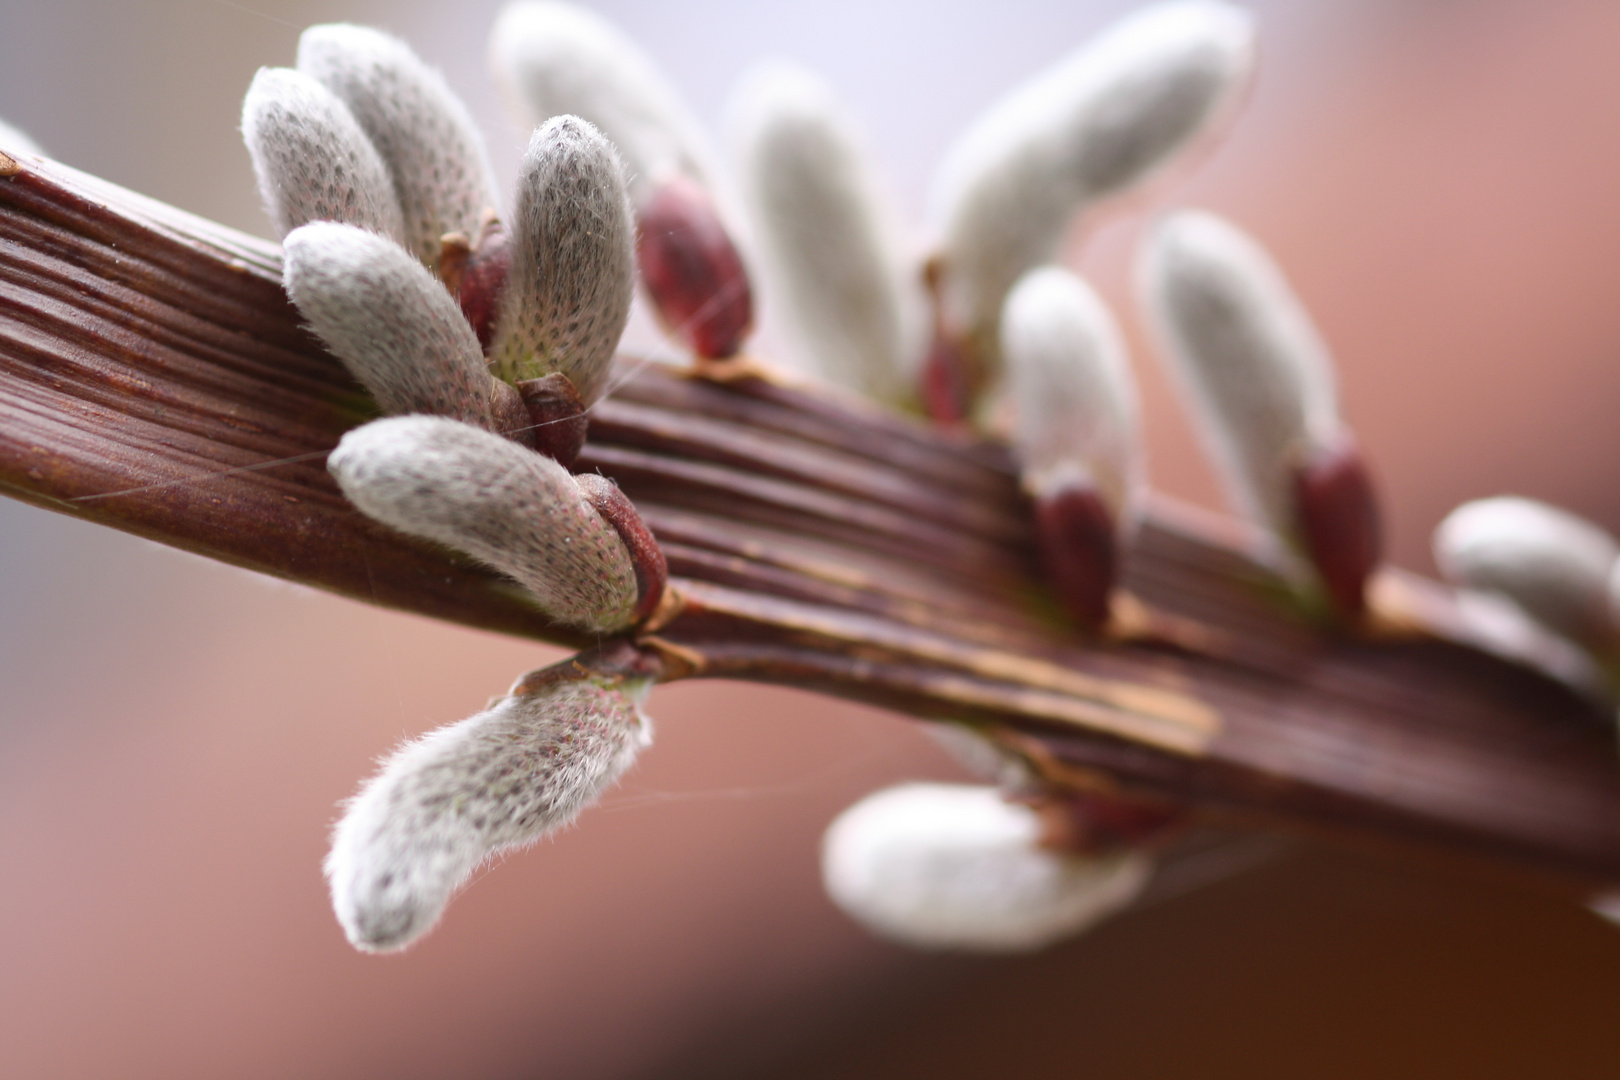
(652, 572)
(1338, 521)
(554, 417)
(692, 270)
(1078, 544)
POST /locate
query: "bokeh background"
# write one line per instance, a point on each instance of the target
(1440, 180)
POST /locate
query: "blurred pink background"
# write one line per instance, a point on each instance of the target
(1440, 181)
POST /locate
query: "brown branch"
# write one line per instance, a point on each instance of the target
(154, 378)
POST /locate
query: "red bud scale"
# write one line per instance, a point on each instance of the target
(1338, 521)
(692, 270)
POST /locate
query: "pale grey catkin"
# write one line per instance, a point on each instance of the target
(312, 160)
(1554, 565)
(14, 140)
(440, 170)
(445, 803)
(1255, 374)
(829, 254)
(954, 866)
(389, 320)
(552, 59)
(1100, 120)
(573, 261)
(1077, 413)
(507, 506)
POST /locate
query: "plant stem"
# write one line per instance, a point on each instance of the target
(154, 378)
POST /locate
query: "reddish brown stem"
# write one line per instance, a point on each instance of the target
(154, 378)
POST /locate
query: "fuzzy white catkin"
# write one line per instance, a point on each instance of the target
(1253, 371)
(518, 511)
(389, 320)
(312, 160)
(1077, 411)
(14, 141)
(1103, 118)
(423, 132)
(550, 59)
(568, 295)
(947, 866)
(445, 803)
(829, 256)
(1554, 565)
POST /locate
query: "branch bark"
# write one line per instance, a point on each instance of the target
(154, 378)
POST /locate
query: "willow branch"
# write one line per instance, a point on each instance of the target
(154, 378)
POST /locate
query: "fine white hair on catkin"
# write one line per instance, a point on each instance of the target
(1100, 120)
(949, 866)
(312, 159)
(1554, 565)
(14, 140)
(1076, 407)
(389, 320)
(445, 803)
(507, 506)
(440, 170)
(552, 59)
(1253, 371)
(568, 295)
(830, 258)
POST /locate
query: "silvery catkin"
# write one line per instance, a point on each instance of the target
(389, 320)
(828, 254)
(440, 171)
(1554, 565)
(568, 291)
(958, 867)
(1100, 120)
(445, 803)
(552, 59)
(312, 159)
(507, 506)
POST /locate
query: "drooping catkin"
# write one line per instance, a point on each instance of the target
(829, 255)
(440, 170)
(312, 159)
(389, 320)
(552, 59)
(508, 507)
(948, 866)
(568, 292)
(1557, 567)
(1099, 121)
(444, 804)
